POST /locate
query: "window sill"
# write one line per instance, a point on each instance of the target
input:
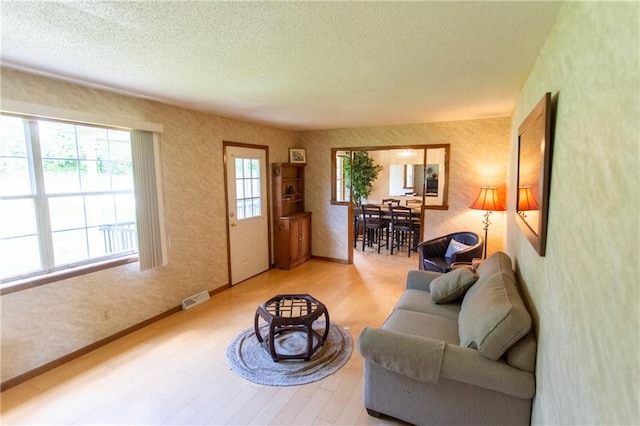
(15, 286)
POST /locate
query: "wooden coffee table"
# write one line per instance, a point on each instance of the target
(292, 312)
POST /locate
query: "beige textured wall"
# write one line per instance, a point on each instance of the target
(42, 324)
(479, 156)
(585, 290)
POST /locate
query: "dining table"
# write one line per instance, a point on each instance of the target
(386, 209)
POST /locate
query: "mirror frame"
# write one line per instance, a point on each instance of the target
(447, 151)
(538, 121)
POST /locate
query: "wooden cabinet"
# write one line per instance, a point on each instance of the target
(292, 225)
(293, 240)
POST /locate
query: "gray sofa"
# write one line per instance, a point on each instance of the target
(467, 359)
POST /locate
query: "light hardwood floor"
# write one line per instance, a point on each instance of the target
(175, 370)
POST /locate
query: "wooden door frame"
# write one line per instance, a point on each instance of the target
(264, 148)
(350, 205)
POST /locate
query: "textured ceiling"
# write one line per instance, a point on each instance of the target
(297, 65)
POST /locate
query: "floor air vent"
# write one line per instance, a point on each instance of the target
(194, 300)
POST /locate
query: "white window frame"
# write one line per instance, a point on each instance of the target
(248, 205)
(44, 112)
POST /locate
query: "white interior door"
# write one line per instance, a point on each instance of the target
(247, 210)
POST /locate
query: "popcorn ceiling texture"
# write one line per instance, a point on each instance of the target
(479, 156)
(585, 291)
(45, 323)
(296, 64)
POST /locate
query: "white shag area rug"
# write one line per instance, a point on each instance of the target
(248, 358)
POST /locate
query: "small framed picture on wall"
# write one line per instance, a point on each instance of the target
(297, 155)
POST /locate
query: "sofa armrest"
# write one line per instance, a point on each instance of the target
(421, 280)
(427, 360)
(469, 366)
(409, 355)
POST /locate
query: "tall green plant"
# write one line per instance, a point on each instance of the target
(360, 173)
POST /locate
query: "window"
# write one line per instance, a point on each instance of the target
(341, 186)
(340, 190)
(66, 196)
(248, 195)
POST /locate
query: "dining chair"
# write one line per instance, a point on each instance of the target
(412, 201)
(375, 226)
(391, 200)
(404, 229)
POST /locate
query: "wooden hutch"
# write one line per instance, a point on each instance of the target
(292, 224)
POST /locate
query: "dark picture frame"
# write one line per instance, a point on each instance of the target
(298, 155)
(535, 147)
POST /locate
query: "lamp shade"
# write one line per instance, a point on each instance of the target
(526, 200)
(488, 199)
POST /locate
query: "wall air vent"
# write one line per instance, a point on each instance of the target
(194, 300)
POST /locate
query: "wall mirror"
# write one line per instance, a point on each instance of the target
(534, 166)
(416, 172)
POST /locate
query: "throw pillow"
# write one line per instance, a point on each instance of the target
(493, 316)
(452, 285)
(454, 247)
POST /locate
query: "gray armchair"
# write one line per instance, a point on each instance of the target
(432, 252)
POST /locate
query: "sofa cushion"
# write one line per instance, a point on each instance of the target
(497, 262)
(452, 285)
(420, 301)
(424, 325)
(493, 316)
(522, 354)
(420, 280)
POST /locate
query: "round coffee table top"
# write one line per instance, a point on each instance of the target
(292, 305)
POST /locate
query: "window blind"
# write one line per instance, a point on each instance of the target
(145, 147)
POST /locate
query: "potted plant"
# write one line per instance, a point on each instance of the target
(360, 173)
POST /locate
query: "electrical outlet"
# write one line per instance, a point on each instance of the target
(106, 315)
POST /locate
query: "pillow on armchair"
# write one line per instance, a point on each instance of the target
(454, 247)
